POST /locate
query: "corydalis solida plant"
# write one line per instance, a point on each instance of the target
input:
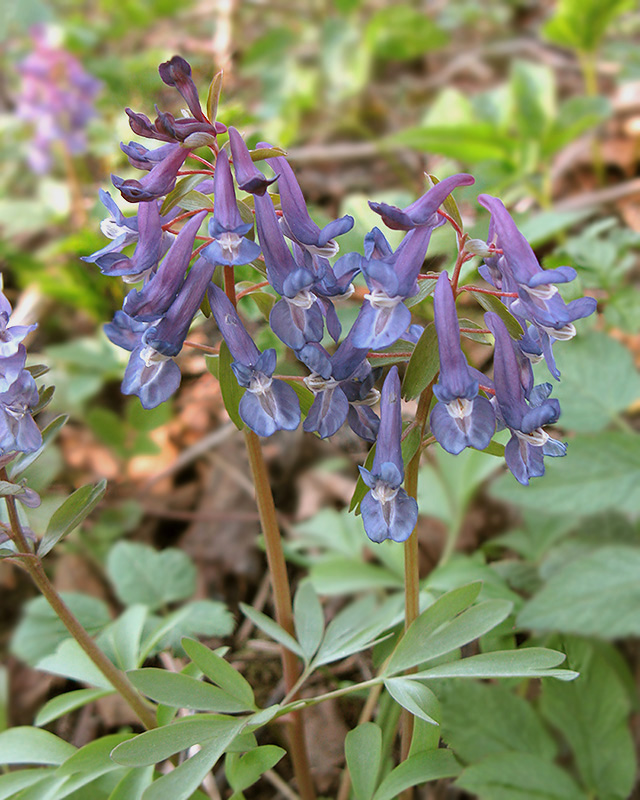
(306, 278)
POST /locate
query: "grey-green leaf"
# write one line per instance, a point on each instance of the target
(220, 672)
(363, 752)
(26, 745)
(412, 696)
(423, 365)
(528, 662)
(308, 619)
(70, 514)
(429, 766)
(182, 691)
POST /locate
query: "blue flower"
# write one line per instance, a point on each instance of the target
(231, 247)
(18, 431)
(538, 301)
(422, 211)
(387, 510)
(160, 288)
(529, 443)
(461, 418)
(269, 404)
(160, 180)
(248, 176)
(296, 223)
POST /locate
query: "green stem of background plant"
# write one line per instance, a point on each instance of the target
(33, 565)
(411, 556)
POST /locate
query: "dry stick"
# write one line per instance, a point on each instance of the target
(34, 567)
(283, 607)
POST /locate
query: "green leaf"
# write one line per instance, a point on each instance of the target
(343, 575)
(599, 472)
(429, 766)
(470, 144)
(423, 365)
(443, 610)
(402, 32)
(272, 629)
(592, 714)
(245, 771)
(11, 783)
(183, 187)
(534, 95)
(528, 662)
(363, 751)
(70, 661)
(70, 514)
(41, 631)
(581, 25)
(308, 619)
(361, 487)
(481, 338)
(180, 783)
(159, 744)
(26, 745)
(198, 618)
(213, 95)
(599, 380)
(231, 390)
(519, 776)
(597, 594)
(143, 575)
(20, 464)
(93, 759)
(425, 289)
(220, 672)
(133, 784)
(491, 303)
(67, 702)
(182, 691)
(412, 696)
(467, 626)
(121, 640)
(305, 396)
(196, 201)
(483, 719)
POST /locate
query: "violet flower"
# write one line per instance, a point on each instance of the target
(231, 247)
(539, 301)
(161, 287)
(387, 510)
(248, 176)
(160, 180)
(529, 443)
(269, 404)
(18, 431)
(461, 417)
(296, 223)
(421, 212)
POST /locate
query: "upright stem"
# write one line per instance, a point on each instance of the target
(33, 566)
(411, 563)
(284, 611)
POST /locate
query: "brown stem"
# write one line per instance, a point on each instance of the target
(283, 607)
(33, 566)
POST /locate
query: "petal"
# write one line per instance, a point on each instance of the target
(364, 422)
(328, 412)
(380, 327)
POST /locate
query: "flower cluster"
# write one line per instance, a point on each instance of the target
(57, 97)
(302, 268)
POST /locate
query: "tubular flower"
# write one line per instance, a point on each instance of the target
(160, 180)
(248, 176)
(387, 510)
(231, 247)
(525, 419)
(538, 299)
(269, 404)
(461, 418)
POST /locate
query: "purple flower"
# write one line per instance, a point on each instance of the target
(461, 418)
(343, 389)
(248, 176)
(18, 431)
(525, 419)
(149, 247)
(296, 223)
(538, 301)
(161, 287)
(297, 318)
(391, 278)
(57, 96)
(387, 510)
(231, 247)
(269, 404)
(422, 211)
(160, 180)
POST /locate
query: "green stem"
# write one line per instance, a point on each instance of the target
(411, 560)
(590, 74)
(33, 565)
(283, 607)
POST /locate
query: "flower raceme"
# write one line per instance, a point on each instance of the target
(304, 272)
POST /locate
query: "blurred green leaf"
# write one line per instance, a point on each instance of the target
(26, 745)
(65, 703)
(401, 32)
(534, 96)
(469, 144)
(581, 24)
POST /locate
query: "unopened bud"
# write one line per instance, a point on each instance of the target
(478, 248)
(199, 139)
